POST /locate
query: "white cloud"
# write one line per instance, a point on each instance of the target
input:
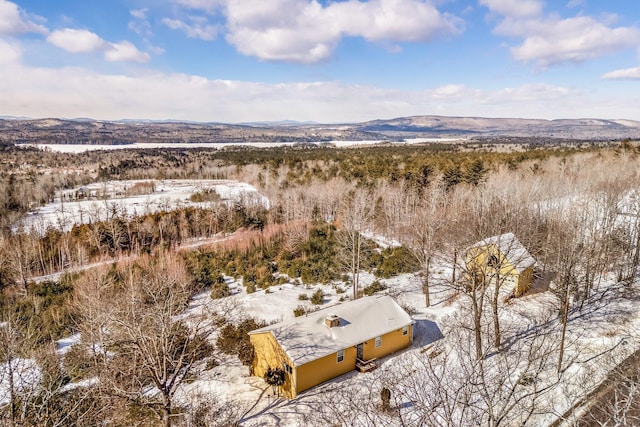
(139, 13)
(140, 27)
(76, 41)
(125, 51)
(140, 24)
(197, 29)
(573, 40)
(207, 5)
(575, 3)
(307, 31)
(514, 8)
(550, 40)
(452, 92)
(15, 21)
(532, 92)
(624, 74)
(85, 41)
(10, 52)
(75, 92)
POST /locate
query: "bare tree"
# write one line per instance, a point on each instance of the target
(355, 218)
(445, 385)
(423, 231)
(152, 350)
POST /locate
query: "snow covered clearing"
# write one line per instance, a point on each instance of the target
(107, 200)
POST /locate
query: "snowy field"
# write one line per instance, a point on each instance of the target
(81, 148)
(168, 195)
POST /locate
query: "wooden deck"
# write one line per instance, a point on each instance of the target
(366, 366)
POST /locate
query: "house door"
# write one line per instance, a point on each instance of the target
(359, 351)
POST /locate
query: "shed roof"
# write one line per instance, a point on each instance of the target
(509, 245)
(307, 338)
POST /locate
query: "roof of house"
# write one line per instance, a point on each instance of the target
(307, 338)
(511, 248)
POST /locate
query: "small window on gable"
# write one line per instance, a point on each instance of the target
(405, 330)
(340, 355)
(378, 341)
(493, 262)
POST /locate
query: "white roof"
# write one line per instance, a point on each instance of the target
(307, 338)
(511, 248)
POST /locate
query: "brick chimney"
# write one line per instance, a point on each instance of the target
(332, 320)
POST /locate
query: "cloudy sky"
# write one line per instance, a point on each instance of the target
(319, 60)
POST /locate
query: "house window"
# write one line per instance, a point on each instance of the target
(378, 341)
(340, 355)
(287, 368)
(405, 330)
(493, 262)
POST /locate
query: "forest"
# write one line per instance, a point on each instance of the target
(127, 285)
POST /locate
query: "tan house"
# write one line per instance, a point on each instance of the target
(322, 345)
(501, 259)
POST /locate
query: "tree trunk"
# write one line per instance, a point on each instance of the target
(425, 283)
(565, 316)
(12, 393)
(494, 306)
(455, 262)
(166, 417)
(477, 317)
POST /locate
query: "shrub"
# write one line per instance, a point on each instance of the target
(211, 363)
(318, 297)
(235, 339)
(299, 311)
(206, 195)
(376, 286)
(78, 363)
(220, 290)
(394, 261)
(274, 376)
(303, 297)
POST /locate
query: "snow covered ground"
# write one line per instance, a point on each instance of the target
(168, 195)
(24, 374)
(597, 339)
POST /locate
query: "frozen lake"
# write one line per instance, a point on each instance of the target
(81, 148)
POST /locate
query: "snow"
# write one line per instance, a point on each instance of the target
(168, 195)
(64, 345)
(81, 148)
(598, 338)
(89, 382)
(26, 377)
(592, 346)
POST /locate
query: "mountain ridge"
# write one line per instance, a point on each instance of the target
(91, 131)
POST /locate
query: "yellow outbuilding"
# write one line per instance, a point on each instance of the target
(501, 260)
(327, 343)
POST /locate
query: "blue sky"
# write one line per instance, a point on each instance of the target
(324, 61)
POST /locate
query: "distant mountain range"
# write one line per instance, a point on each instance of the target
(89, 131)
